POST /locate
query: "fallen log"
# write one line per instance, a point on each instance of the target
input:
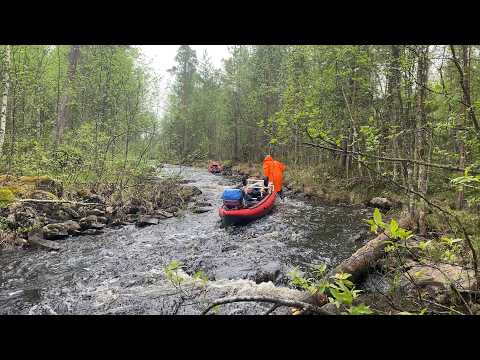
(367, 255)
(59, 202)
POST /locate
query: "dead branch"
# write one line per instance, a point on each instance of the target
(279, 302)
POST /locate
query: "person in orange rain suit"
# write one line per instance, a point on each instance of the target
(274, 170)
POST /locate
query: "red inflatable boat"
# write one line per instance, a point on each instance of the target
(256, 211)
(215, 167)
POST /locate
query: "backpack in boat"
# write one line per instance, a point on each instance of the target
(232, 198)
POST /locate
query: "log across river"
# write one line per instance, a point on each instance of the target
(121, 271)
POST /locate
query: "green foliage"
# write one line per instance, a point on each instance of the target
(172, 273)
(340, 291)
(393, 231)
(110, 123)
(3, 224)
(6, 196)
(361, 309)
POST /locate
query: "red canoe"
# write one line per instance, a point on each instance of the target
(251, 213)
(215, 167)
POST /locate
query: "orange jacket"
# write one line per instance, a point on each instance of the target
(268, 167)
(274, 170)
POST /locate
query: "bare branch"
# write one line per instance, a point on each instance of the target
(280, 302)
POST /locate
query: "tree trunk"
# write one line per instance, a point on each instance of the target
(367, 255)
(460, 201)
(465, 84)
(6, 88)
(421, 134)
(62, 107)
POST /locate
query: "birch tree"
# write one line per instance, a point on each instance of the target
(6, 88)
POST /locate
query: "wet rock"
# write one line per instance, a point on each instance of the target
(94, 198)
(441, 275)
(381, 203)
(117, 223)
(199, 210)
(332, 309)
(135, 209)
(360, 237)
(102, 219)
(189, 191)
(57, 212)
(229, 248)
(55, 231)
(92, 232)
(203, 204)
(270, 272)
(95, 212)
(146, 220)
(91, 222)
(163, 214)
(172, 209)
(131, 218)
(72, 227)
(24, 217)
(35, 239)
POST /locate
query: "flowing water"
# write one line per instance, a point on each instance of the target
(121, 271)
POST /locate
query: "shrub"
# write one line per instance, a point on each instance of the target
(6, 196)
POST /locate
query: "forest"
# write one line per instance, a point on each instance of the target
(350, 122)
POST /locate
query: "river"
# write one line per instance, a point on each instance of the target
(121, 271)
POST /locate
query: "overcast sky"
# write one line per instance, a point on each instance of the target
(162, 57)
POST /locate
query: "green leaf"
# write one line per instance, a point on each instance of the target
(377, 217)
(393, 227)
(361, 309)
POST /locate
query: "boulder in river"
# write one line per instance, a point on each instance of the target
(92, 232)
(35, 239)
(172, 209)
(102, 219)
(359, 237)
(203, 204)
(72, 227)
(131, 218)
(200, 210)
(163, 214)
(189, 191)
(55, 231)
(381, 203)
(229, 248)
(95, 212)
(269, 272)
(91, 222)
(146, 220)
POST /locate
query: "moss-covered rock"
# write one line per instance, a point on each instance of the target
(6, 196)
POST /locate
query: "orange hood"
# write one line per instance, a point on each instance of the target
(268, 158)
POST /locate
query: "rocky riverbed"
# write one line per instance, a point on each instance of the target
(121, 270)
